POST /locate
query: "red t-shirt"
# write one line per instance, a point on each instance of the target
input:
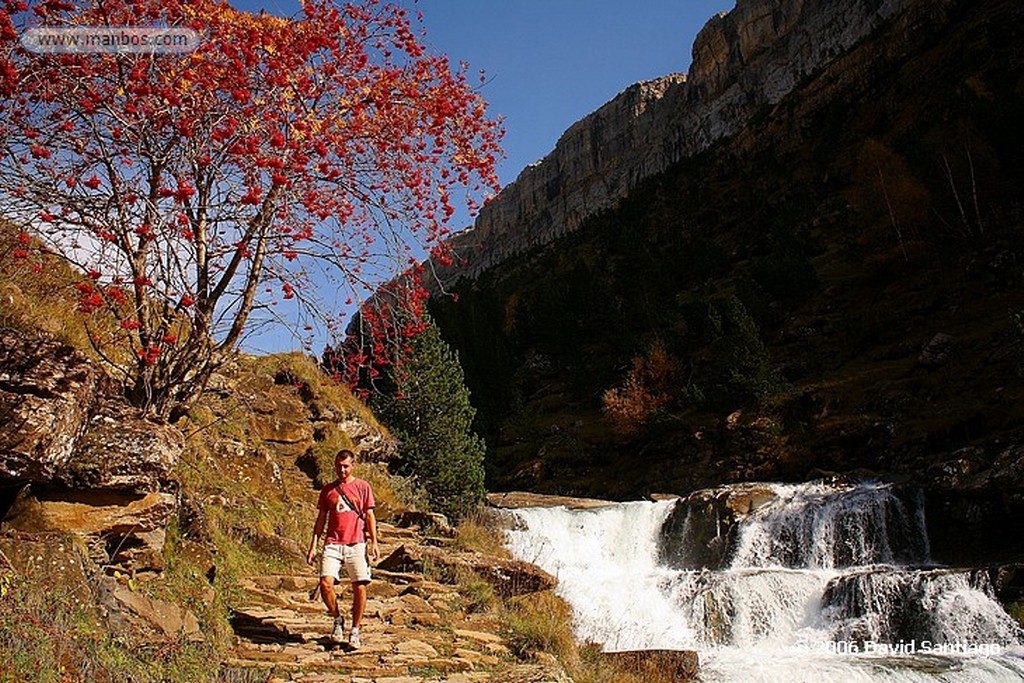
(344, 525)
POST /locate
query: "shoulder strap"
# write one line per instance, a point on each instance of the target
(348, 502)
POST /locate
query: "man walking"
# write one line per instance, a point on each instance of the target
(346, 505)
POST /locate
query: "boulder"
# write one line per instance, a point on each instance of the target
(124, 449)
(403, 559)
(700, 530)
(511, 578)
(46, 391)
(937, 351)
(424, 521)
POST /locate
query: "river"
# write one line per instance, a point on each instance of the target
(823, 583)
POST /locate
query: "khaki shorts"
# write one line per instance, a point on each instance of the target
(353, 557)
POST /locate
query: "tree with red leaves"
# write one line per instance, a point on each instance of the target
(283, 164)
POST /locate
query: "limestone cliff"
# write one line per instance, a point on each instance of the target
(743, 61)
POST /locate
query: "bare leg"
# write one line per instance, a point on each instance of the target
(328, 595)
(358, 603)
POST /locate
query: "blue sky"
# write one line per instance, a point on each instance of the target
(549, 63)
(552, 62)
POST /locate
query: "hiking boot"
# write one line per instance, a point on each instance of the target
(353, 639)
(338, 634)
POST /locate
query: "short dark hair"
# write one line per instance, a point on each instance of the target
(344, 454)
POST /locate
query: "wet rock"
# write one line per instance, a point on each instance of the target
(700, 530)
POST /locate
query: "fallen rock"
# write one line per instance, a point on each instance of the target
(403, 559)
(511, 578)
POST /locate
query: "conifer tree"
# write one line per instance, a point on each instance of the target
(427, 408)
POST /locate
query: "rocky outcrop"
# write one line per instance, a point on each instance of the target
(123, 449)
(46, 391)
(743, 62)
(700, 531)
(522, 499)
(417, 627)
(509, 578)
(81, 461)
(61, 425)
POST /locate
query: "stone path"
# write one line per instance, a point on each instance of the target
(414, 630)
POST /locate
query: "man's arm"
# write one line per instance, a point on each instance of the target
(371, 535)
(318, 529)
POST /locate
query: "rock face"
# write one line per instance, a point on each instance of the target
(522, 499)
(124, 450)
(95, 467)
(700, 531)
(46, 390)
(509, 578)
(743, 61)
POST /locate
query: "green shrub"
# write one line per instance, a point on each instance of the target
(425, 403)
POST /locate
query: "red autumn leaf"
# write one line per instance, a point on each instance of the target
(335, 128)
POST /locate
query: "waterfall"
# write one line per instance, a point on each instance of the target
(810, 582)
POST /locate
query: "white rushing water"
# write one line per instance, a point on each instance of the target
(824, 583)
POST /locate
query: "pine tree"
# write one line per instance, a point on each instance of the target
(430, 413)
(741, 365)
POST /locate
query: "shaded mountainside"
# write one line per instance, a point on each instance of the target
(743, 61)
(833, 288)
